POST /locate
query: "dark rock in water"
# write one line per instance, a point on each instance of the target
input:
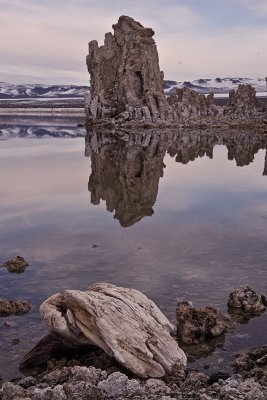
(247, 300)
(15, 342)
(216, 376)
(126, 82)
(16, 265)
(195, 325)
(8, 307)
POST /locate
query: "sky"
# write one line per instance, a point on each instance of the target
(46, 41)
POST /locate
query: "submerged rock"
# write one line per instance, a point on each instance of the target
(195, 325)
(8, 307)
(16, 265)
(121, 321)
(247, 300)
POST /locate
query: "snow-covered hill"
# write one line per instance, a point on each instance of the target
(217, 85)
(9, 91)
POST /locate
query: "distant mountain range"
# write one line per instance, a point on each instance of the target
(217, 85)
(9, 91)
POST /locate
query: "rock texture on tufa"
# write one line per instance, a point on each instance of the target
(189, 105)
(126, 82)
(247, 300)
(195, 325)
(123, 322)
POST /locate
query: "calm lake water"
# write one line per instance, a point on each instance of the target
(170, 215)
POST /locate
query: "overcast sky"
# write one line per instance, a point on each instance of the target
(46, 41)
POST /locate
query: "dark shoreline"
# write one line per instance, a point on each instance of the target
(75, 102)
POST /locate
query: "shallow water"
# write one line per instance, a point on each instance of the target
(186, 226)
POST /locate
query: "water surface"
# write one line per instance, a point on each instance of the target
(170, 215)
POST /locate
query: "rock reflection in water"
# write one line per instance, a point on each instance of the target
(126, 167)
(126, 173)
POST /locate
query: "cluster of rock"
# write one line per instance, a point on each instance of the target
(197, 325)
(128, 326)
(127, 86)
(65, 382)
(10, 306)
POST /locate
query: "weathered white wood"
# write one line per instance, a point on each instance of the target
(121, 321)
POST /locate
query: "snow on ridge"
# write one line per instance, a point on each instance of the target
(38, 91)
(216, 85)
(201, 85)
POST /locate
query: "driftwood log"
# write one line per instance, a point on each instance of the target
(123, 322)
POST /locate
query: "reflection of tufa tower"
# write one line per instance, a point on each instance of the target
(241, 146)
(125, 173)
(126, 168)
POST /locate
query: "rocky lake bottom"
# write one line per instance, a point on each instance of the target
(176, 217)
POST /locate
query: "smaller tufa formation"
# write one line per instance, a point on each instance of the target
(243, 103)
(247, 300)
(195, 325)
(126, 82)
(187, 104)
(123, 322)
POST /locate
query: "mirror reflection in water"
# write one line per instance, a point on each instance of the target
(188, 223)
